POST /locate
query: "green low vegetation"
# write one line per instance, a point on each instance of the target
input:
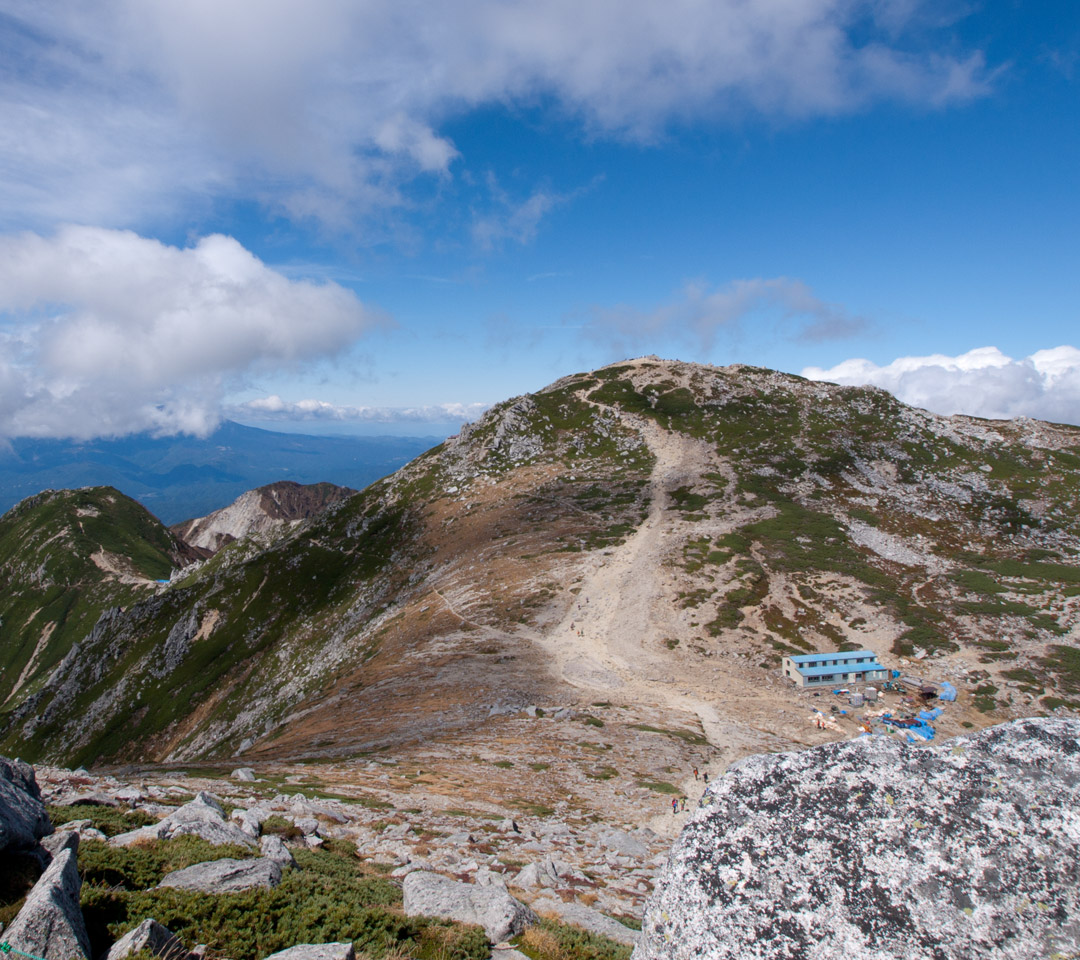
(983, 697)
(330, 896)
(687, 735)
(109, 820)
(660, 786)
(551, 940)
(1063, 663)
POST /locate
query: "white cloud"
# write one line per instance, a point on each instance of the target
(509, 219)
(699, 313)
(118, 110)
(104, 332)
(274, 408)
(982, 382)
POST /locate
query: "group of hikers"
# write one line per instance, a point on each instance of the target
(678, 804)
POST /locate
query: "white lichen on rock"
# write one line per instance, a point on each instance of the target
(872, 849)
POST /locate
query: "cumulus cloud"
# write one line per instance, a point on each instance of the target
(104, 332)
(699, 313)
(274, 408)
(122, 108)
(983, 382)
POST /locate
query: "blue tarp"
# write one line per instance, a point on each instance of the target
(920, 726)
(947, 692)
(930, 714)
(923, 729)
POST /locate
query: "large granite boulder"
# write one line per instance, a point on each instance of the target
(202, 817)
(23, 820)
(874, 849)
(432, 895)
(50, 924)
(225, 876)
(316, 951)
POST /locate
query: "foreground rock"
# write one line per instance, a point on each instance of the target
(872, 849)
(433, 895)
(316, 951)
(225, 876)
(23, 820)
(152, 937)
(50, 924)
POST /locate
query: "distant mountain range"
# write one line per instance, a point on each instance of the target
(178, 478)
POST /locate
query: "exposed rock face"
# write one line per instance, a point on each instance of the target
(23, 820)
(870, 849)
(264, 509)
(316, 951)
(50, 923)
(248, 822)
(62, 840)
(150, 936)
(273, 848)
(433, 895)
(225, 876)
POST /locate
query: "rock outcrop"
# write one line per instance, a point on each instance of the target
(872, 849)
(152, 937)
(50, 924)
(273, 848)
(56, 843)
(202, 817)
(225, 876)
(23, 820)
(263, 510)
(316, 951)
(491, 907)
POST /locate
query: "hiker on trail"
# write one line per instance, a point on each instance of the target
(674, 806)
(695, 773)
(683, 802)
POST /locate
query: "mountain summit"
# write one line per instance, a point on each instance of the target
(653, 535)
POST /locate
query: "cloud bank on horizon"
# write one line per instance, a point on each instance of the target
(273, 408)
(118, 334)
(983, 382)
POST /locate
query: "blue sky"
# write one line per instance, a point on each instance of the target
(372, 216)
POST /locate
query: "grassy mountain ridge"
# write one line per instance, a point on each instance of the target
(66, 557)
(650, 531)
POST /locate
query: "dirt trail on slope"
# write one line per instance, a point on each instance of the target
(611, 640)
